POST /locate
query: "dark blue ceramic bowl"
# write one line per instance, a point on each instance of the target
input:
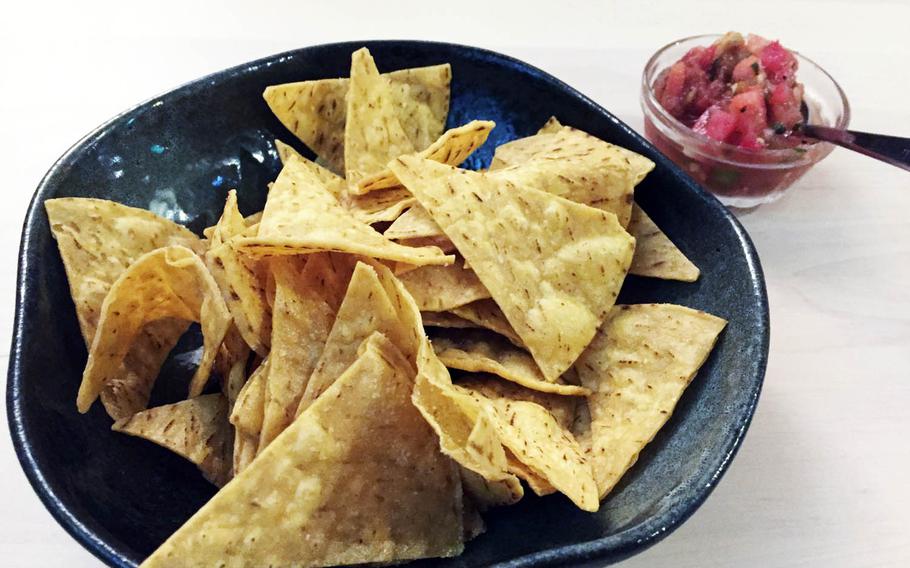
(179, 153)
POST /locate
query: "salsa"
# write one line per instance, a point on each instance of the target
(742, 91)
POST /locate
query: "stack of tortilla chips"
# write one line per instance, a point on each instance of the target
(400, 343)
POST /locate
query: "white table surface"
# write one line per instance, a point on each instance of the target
(822, 478)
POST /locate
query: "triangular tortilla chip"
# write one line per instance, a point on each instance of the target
(493, 387)
(537, 440)
(447, 320)
(638, 366)
(170, 282)
(440, 288)
(487, 315)
(655, 254)
(315, 111)
(325, 493)
(247, 415)
(197, 429)
(244, 293)
(570, 164)
(366, 308)
(414, 223)
(465, 434)
(98, 240)
(451, 148)
(302, 216)
(553, 266)
(333, 182)
(306, 300)
(230, 224)
(379, 206)
(373, 135)
(491, 354)
(641, 166)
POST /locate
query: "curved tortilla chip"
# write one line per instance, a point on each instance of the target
(487, 315)
(315, 111)
(471, 353)
(493, 387)
(98, 240)
(325, 493)
(196, 429)
(170, 282)
(302, 216)
(451, 148)
(638, 366)
(655, 254)
(247, 415)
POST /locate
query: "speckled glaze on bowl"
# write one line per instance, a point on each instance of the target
(179, 153)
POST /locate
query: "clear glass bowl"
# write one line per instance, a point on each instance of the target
(737, 176)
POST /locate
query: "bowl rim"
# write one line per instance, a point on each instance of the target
(650, 105)
(617, 546)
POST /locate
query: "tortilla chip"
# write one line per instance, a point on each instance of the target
(441, 242)
(243, 290)
(235, 377)
(641, 166)
(570, 164)
(247, 416)
(538, 484)
(98, 240)
(538, 441)
(655, 254)
(379, 206)
(440, 288)
(196, 429)
(306, 300)
(373, 135)
(490, 354)
(412, 224)
(333, 182)
(493, 387)
(315, 111)
(366, 308)
(325, 493)
(638, 366)
(302, 216)
(553, 266)
(127, 392)
(451, 148)
(230, 224)
(167, 283)
(447, 320)
(487, 315)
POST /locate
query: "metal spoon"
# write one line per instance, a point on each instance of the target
(890, 149)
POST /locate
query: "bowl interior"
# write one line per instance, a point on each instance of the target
(180, 153)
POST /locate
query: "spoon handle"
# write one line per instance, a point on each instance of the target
(891, 149)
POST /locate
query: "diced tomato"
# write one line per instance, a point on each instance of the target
(779, 64)
(747, 70)
(756, 43)
(784, 105)
(720, 124)
(749, 106)
(702, 57)
(672, 96)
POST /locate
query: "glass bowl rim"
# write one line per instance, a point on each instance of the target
(652, 106)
